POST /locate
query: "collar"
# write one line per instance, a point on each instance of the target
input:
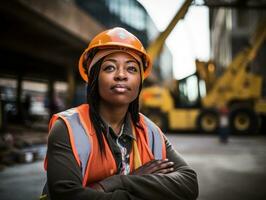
(127, 129)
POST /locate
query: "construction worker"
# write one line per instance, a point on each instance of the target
(224, 128)
(106, 149)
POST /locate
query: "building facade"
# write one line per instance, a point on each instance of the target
(231, 30)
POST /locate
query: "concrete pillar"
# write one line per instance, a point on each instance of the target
(71, 86)
(18, 98)
(51, 98)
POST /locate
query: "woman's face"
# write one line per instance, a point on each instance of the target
(119, 79)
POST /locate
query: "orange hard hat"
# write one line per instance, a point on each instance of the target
(117, 39)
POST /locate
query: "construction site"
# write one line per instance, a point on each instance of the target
(215, 116)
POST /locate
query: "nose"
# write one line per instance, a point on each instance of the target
(120, 74)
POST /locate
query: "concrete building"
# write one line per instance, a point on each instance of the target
(232, 24)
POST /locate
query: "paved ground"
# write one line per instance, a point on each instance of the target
(23, 182)
(235, 171)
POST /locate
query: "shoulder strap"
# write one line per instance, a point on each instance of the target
(155, 139)
(81, 140)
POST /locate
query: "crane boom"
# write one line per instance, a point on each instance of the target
(154, 49)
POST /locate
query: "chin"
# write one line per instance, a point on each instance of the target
(119, 101)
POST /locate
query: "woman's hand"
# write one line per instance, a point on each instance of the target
(155, 167)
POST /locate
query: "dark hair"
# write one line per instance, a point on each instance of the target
(93, 99)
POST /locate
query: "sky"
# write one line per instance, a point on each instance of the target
(189, 39)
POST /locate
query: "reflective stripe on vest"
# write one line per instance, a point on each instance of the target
(155, 140)
(83, 145)
(81, 139)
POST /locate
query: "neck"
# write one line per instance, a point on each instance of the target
(113, 115)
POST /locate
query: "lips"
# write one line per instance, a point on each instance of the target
(120, 88)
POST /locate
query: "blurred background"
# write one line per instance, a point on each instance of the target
(207, 90)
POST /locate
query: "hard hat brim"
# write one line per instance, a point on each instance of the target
(114, 45)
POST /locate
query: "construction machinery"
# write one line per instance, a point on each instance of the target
(193, 103)
(240, 89)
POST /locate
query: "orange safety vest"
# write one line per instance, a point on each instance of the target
(149, 141)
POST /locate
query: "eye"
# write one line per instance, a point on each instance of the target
(132, 69)
(109, 68)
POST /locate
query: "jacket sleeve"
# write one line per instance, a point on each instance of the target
(181, 184)
(64, 175)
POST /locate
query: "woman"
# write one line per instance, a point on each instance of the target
(105, 149)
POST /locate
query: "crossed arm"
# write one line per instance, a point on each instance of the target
(168, 179)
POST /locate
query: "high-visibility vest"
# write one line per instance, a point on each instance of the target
(149, 141)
